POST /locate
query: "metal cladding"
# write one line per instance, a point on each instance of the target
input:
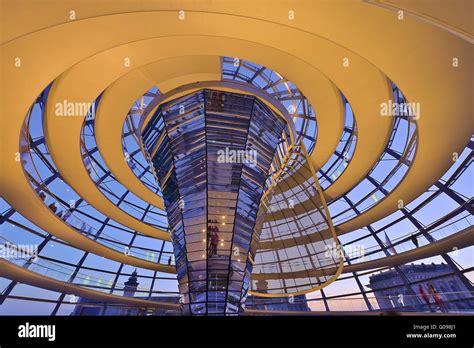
(211, 152)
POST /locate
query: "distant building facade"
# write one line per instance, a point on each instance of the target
(391, 293)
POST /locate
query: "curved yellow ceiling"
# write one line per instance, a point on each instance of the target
(83, 63)
(119, 97)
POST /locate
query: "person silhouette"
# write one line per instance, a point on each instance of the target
(424, 296)
(214, 242)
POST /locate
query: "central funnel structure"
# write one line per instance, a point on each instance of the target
(211, 152)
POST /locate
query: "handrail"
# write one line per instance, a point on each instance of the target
(14, 272)
(461, 240)
(45, 266)
(71, 218)
(290, 160)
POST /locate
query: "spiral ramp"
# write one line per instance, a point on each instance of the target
(339, 55)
